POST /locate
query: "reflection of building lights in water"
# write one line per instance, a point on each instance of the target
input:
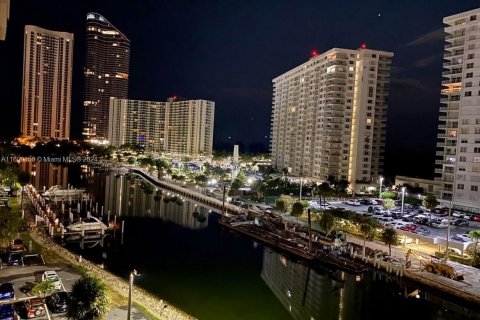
(289, 294)
(358, 278)
(417, 296)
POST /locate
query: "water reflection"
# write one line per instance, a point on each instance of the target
(133, 197)
(43, 175)
(306, 293)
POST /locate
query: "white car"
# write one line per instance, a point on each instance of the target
(54, 278)
(462, 237)
(457, 214)
(439, 225)
(353, 202)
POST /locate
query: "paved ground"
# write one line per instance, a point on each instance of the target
(24, 278)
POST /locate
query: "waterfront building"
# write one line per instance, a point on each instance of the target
(4, 15)
(458, 144)
(47, 83)
(106, 72)
(329, 117)
(176, 126)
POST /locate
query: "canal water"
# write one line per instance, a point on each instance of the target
(185, 257)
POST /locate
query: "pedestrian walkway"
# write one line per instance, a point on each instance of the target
(121, 314)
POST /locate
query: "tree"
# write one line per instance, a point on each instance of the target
(388, 195)
(43, 288)
(475, 235)
(10, 222)
(369, 230)
(23, 179)
(281, 205)
(388, 204)
(430, 202)
(297, 209)
(88, 300)
(326, 222)
(389, 237)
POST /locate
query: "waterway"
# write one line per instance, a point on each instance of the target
(185, 257)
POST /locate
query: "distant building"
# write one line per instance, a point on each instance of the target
(458, 147)
(44, 175)
(4, 15)
(175, 126)
(428, 186)
(47, 84)
(106, 72)
(329, 116)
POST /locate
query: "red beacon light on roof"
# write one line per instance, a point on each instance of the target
(313, 53)
(363, 46)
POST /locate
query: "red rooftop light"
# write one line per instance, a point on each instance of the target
(313, 53)
(363, 46)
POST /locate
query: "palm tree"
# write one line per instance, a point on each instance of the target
(88, 300)
(43, 288)
(475, 235)
(389, 236)
(430, 202)
(326, 222)
(23, 179)
(368, 229)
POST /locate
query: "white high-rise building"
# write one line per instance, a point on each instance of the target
(47, 83)
(176, 126)
(458, 147)
(329, 116)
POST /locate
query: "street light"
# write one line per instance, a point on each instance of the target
(133, 274)
(380, 193)
(403, 197)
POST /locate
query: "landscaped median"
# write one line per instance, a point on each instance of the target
(145, 301)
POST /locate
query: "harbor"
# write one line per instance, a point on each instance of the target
(214, 246)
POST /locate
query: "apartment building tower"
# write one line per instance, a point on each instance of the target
(329, 116)
(47, 83)
(4, 15)
(106, 72)
(175, 126)
(458, 144)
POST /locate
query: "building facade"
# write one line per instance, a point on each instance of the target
(176, 126)
(458, 144)
(47, 83)
(106, 72)
(4, 15)
(329, 116)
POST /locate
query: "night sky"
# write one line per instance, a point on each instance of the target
(229, 51)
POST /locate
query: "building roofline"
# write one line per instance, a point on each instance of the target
(62, 34)
(460, 15)
(97, 16)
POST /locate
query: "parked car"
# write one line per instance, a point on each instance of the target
(7, 291)
(57, 302)
(475, 217)
(364, 202)
(15, 259)
(422, 231)
(353, 203)
(7, 312)
(54, 278)
(457, 252)
(457, 214)
(35, 308)
(461, 223)
(464, 237)
(439, 225)
(409, 227)
(17, 245)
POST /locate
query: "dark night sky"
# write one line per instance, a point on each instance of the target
(229, 51)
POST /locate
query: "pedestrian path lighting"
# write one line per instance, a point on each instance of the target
(133, 274)
(403, 197)
(380, 192)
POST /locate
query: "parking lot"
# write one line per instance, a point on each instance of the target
(24, 278)
(433, 232)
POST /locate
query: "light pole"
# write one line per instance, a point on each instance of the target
(403, 197)
(301, 185)
(448, 228)
(380, 192)
(133, 274)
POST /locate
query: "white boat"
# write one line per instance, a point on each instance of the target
(59, 191)
(89, 224)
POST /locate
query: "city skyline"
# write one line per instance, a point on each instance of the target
(246, 96)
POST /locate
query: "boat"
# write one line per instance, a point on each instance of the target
(59, 191)
(88, 225)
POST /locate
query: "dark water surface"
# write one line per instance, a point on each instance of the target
(185, 257)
